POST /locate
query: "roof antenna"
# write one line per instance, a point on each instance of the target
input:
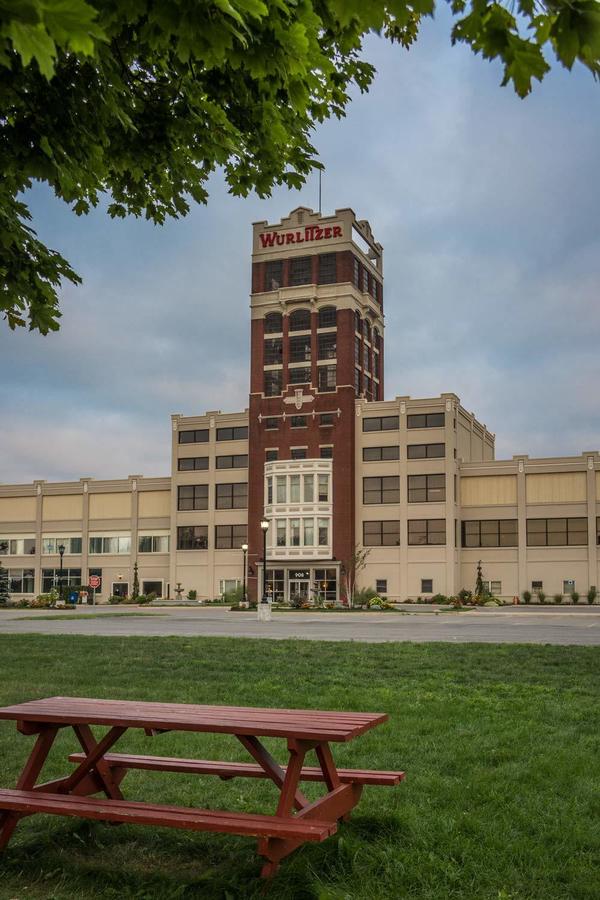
(319, 191)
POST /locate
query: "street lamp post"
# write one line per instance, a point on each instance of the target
(61, 553)
(244, 551)
(264, 608)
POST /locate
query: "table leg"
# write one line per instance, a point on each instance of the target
(27, 779)
(93, 763)
(270, 765)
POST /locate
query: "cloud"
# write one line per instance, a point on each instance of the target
(487, 209)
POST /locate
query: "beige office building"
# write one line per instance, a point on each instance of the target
(325, 459)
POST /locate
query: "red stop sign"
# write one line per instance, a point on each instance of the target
(95, 581)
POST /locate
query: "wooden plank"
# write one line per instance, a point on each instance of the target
(305, 724)
(226, 770)
(269, 765)
(93, 764)
(134, 812)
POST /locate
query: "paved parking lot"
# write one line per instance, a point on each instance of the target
(577, 625)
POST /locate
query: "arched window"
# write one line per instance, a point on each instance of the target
(273, 323)
(357, 322)
(376, 337)
(327, 317)
(367, 330)
(300, 320)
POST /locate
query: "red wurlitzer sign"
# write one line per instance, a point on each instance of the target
(305, 236)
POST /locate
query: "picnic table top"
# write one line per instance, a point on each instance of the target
(303, 724)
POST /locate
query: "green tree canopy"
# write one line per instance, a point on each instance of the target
(141, 100)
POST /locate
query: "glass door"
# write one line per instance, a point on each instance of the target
(299, 591)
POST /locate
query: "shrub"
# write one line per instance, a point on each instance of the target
(143, 599)
(591, 595)
(465, 596)
(527, 596)
(439, 598)
(44, 601)
(234, 596)
(192, 595)
(362, 597)
(541, 597)
(575, 597)
(115, 599)
(558, 598)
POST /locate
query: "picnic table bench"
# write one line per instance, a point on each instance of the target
(99, 771)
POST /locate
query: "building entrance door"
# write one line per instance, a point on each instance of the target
(299, 590)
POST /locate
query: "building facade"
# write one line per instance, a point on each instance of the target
(322, 456)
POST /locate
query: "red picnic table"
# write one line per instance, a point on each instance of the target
(98, 771)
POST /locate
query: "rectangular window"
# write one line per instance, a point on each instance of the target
(379, 454)
(323, 488)
(157, 543)
(271, 423)
(427, 585)
(300, 270)
(273, 382)
(300, 347)
(327, 346)
(232, 496)
(113, 544)
(50, 545)
(21, 581)
(299, 375)
(381, 423)
(426, 531)
(425, 420)
(309, 488)
(308, 537)
(384, 489)
(236, 461)
(365, 281)
(294, 489)
(366, 359)
(18, 546)
(70, 578)
(381, 585)
(273, 275)
(374, 288)
(273, 353)
(323, 528)
(327, 317)
(230, 537)
(355, 272)
(489, 533)
(326, 452)
(568, 586)
(294, 532)
(537, 586)
(281, 532)
(298, 421)
(281, 489)
(327, 268)
(192, 496)
(237, 433)
(298, 452)
(356, 350)
(426, 488)
(327, 378)
(560, 532)
(326, 419)
(381, 533)
(192, 537)
(271, 455)
(426, 451)
(194, 436)
(357, 385)
(192, 463)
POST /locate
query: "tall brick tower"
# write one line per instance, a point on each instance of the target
(316, 345)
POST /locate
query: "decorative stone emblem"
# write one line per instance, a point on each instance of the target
(299, 398)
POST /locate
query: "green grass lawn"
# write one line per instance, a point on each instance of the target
(501, 746)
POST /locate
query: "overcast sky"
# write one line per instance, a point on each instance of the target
(487, 208)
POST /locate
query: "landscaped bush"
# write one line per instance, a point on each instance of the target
(379, 603)
(465, 596)
(527, 596)
(541, 596)
(439, 598)
(44, 601)
(192, 595)
(234, 596)
(114, 599)
(362, 597)
(591, 595)
(558, 599)
(575, 597)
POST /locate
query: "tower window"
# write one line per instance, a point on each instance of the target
(273, 384)
(327, 317)
(299, 452)
(300, 349)
(327, 346)
(300, 320)
(327, 268)
(273, 275)
(355, 272)
(298, 421)
(357, 322)
(273, 323)
(301, 270)
(326, 378)
(273, 351)
(300, 375)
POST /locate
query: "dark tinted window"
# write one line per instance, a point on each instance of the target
(301, 270)
(327, 268)
(300, 320)
(194, 436)
(238, 433)
(379, 454)
(273, 275)
(273, 323)
(191, 463)
(425, 420)
(381, 423)
(327, 317)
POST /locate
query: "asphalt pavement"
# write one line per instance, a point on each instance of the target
(570, 625)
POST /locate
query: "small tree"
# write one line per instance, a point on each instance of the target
(479, 581)
(527, 596)
(350, 569)
(4, 591)
(135, 590)
(591, 595)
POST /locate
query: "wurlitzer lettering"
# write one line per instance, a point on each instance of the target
(310, 233)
